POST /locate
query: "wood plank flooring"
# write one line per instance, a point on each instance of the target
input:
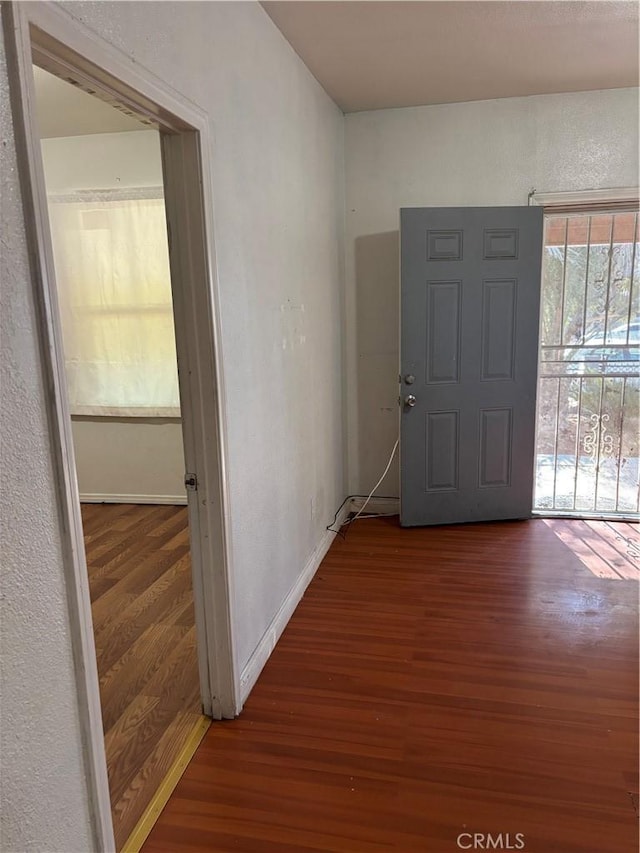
(142, 604)
(609, 549)
(433, 681)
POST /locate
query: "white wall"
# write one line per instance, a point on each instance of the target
(482, 153)
(279, 214)
(102, 161)
(128, 459)
(42, 786)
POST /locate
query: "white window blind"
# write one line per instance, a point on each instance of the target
(112, 270)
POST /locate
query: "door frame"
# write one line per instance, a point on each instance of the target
(40, 33)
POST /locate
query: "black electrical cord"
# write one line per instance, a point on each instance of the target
(348, 498)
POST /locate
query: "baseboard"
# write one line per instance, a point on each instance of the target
(376, 505)
(178, 500)
(265, 647)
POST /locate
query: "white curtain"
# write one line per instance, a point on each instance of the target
(112, 270)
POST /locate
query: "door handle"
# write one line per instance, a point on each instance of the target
(410, 401)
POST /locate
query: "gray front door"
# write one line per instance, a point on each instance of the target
(470, 297)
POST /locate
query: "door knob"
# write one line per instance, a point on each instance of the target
(410, 400)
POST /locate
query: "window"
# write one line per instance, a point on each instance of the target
(112, 269)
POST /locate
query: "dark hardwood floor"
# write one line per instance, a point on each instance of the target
(142, 604)
(433, 682)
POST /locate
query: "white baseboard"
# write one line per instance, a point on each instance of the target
(376, 505)
(178, 500)
(265, 647)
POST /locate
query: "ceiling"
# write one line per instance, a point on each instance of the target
(377, 55)
(64, 110)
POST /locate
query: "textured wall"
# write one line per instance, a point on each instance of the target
(279, 213)
(44, 805)
(481, 153)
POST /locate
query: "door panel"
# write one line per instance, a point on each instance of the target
(470, 294)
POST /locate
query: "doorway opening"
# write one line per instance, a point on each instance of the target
(104, 183)
(588, 410)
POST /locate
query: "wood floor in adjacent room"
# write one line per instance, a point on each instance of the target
(142, 604)
(435, 681)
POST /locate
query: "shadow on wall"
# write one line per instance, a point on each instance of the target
(377, 261)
